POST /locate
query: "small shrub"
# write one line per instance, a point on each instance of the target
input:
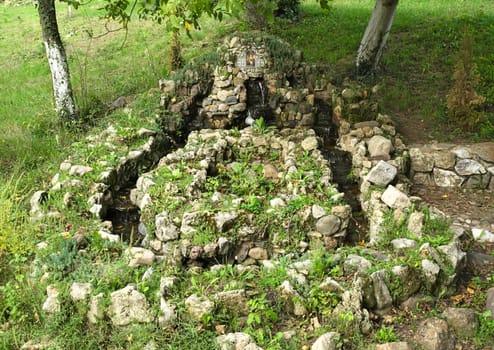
(462, 99)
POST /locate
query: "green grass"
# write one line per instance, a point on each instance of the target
(419, 59)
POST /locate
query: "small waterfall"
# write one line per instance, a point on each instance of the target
(257, 104)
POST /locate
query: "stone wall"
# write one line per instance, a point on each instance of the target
(447, 165)
(218, 95)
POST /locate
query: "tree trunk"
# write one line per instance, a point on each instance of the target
(375, 36)
(57, 59)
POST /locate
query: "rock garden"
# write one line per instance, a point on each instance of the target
(222, 218)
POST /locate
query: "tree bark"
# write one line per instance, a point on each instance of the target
(375, 36)
(57, 59)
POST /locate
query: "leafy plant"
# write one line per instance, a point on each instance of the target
(261, 127)
(386, 335)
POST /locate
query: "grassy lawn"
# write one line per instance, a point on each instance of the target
(419, 59)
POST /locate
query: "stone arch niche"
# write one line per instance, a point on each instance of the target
(254, 80)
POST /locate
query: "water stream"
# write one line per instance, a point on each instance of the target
(341, 168)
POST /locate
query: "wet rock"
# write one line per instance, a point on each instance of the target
(380, 147)
(198, 306)
(463, 320)
(382, 174)
(394, 198)
(79, 291)
(327, 341)
(434, 334)
(129, 305)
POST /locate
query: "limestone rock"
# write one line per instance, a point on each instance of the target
(489, 303)
(446, 178)
(382, 174)
(328, 225)
(381, 292)
(80, 170)
(394, 198)
(317, 211)
(356, 263)
(310, 143)
(434, 334)
(409, 281)
(463, 320)
(79, 291)
(484, 150)
(168, 317)
(431, 272)
(293, 299)
(51, 304)
(235, 301)
(482, 235)
(415, 223)
(225, 220)
(454, 254)
(465, 167)
(444, 159)
(197, 306)
(327, 341)
(139, 256)
(403, 243)
(394, 346)
(96, 310)
(129, 305)
(258, 253)
(420, 161)
(165, 228)
(380, 147)
(237, 341)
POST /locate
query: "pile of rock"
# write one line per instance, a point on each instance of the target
(447, 165)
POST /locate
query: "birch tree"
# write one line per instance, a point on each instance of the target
(376, 34)
(57, 60)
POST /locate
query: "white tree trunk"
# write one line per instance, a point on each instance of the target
(57, 59)
(375, 36)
